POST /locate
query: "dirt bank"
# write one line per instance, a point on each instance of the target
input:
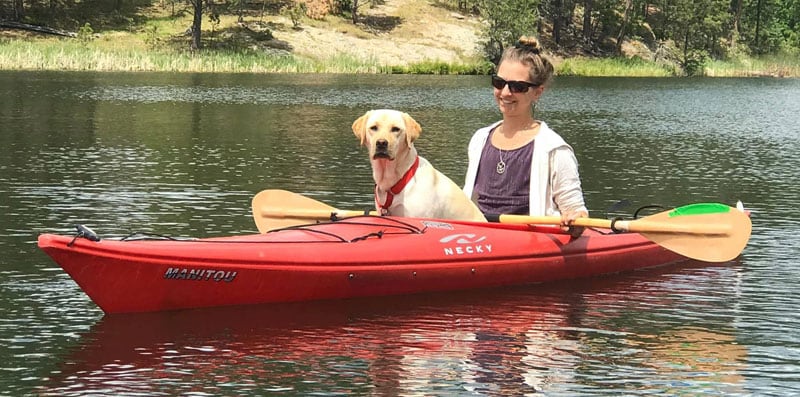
(399, 32)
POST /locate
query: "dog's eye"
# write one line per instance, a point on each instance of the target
(373, 128)
(395, 129)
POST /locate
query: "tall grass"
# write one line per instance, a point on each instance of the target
(478, 67)
(67, 55)
(618, 67)
(783, 65)
(62, 54)
(101, 56)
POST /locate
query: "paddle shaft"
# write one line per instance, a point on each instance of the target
(312, 214)
(705, 231)
(638, 225)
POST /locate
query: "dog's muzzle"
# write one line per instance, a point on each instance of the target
(381, 149)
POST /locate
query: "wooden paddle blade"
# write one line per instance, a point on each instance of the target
(275, 209)
(711, 232)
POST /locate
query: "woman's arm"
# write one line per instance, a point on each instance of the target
(566, 182)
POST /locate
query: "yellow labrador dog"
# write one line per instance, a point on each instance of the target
(405, 183)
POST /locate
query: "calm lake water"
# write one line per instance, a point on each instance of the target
(183, 155)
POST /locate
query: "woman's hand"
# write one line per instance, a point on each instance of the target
(568, 218)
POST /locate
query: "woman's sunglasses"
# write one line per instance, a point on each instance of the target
(513, 86)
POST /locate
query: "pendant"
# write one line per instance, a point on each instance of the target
(501, 167)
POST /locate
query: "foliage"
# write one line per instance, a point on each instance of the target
(694, 62)
(351, 7)
(151, 36)
(506, 21)
(699, 32)
(295, 12)
(442, 68)
(701, 29)
(85, 34)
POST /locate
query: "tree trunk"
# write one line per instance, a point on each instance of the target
(355, 12)
(757, 40)
(19, 10)
(737, 18)
(587, 20)
(558, 11)
(686, 48)
(626, 16)
(540, 23)
(36, 28)
(197, 22)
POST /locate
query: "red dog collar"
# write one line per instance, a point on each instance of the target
(396, 189)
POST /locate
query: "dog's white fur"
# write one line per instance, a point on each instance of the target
(389, 135)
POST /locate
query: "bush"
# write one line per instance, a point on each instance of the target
(85, 34)
(295, 13)
(694, 62)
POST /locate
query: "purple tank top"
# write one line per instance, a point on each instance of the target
(503, 187)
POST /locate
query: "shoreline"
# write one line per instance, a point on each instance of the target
(67, 55)
(441, 43)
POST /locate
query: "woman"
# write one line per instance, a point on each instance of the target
(519, 165)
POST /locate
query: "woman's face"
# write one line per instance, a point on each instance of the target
(515, 104)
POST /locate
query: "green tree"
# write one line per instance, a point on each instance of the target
(197, 23)
(697, 26)
(506, 21)
(770, 26)
(352, 6)
(200, 7)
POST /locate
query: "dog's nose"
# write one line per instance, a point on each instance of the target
(382, 144)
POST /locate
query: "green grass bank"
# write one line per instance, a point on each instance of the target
(106, 55)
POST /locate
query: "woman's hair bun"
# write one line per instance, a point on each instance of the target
(528, 43)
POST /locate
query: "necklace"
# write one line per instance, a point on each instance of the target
(501, 165)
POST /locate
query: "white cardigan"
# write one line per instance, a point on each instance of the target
(555, 183)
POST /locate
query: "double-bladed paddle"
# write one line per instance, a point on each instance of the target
(708, 232)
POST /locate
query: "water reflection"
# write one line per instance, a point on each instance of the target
(352, 97)
(521, 340)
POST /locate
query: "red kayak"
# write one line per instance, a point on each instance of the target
(355, 257)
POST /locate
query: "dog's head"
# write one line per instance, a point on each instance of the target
(386, 132)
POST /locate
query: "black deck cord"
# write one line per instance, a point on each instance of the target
(614, 225)
(399, 224)
(334, 218)
(379, 235)
(635, 216)
(647, 207)
(150, 236)
(349, 221)
(84, 232)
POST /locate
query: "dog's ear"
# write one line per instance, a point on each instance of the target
(360, 127)
(413, 129)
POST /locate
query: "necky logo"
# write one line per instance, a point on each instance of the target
(463, 238)
(465, 244)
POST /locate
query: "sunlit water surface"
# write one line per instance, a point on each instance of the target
(182, 155)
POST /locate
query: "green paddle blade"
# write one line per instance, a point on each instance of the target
(700, 209)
